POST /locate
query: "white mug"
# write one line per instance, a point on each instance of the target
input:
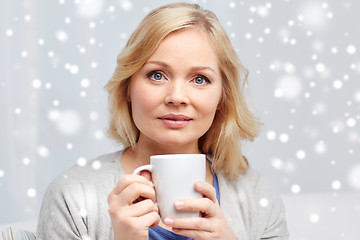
(174, 176)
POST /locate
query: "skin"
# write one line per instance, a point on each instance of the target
(181, 77)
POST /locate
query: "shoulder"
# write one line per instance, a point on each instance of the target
(252, 186)
(97, 176)
(259, 207)
(102, 168)
(255, 182)
(77, 199)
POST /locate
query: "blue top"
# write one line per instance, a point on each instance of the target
(159, 233)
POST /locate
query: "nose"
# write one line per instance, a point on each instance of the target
(177, 94)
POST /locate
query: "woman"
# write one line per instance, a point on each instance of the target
(177, 88)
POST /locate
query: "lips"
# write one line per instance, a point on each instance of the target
(175, 120)
(176, 117)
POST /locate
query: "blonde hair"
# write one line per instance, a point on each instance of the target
(233, 121)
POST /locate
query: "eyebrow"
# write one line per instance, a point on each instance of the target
(165, 65)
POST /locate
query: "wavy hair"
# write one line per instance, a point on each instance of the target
(233, 122)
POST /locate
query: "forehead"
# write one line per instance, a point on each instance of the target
(189, 45)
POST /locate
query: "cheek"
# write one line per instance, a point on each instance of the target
(209, 105)
(141, 99)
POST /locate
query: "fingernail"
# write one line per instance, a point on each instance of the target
(179, 204)
(150, 183)
(198, 185)
(168, 221)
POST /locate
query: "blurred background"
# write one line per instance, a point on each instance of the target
(304, 83)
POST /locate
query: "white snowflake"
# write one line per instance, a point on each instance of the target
(94, 64)
(31, 192)
(337, 126)
(24, 54)
(295, 188)
(351, 122)
(94, 116)
(271, 135)
(9, 32)
(61, 36)
(336, 184)
(51, 54)
(41, 41)
(288, 87)
(337, 84)
(67, 20)
(69, 122)
(81, 161)
(96, 165)
(43, 151)
(36, 83)
(284, 137)
(351, 49)
(232, 4)
(264, 202)
(300, 154)
(289, 67)
(99, 134)
(56, 103)
(69, 146)
(314, 15)
(85, 83)
(26, 161)
(263, 11)
(126, 5)
(277, 163)
(17, 110)
(90, 8)
(357, 96)
(320, 67)
(320, 147)
(314, 217)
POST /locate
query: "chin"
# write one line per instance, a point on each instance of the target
(178, 142)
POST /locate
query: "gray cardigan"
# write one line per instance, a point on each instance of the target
(75, 204)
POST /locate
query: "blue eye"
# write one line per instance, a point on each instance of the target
(155, 75)
(201, 80)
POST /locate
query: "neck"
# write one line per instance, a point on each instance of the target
(143, 149)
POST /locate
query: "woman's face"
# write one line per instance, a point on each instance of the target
(175, 94)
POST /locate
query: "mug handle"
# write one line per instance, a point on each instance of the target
(148, 167)
(138, 170)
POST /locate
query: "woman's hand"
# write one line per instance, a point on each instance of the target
(211, 225)
(130, 217)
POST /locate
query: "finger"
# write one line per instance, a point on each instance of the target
(192, 223)
(203, 205)
(206, 190)
(151, 219)
(142, 208)
(132, 193)
(136, 190)
(127, 180)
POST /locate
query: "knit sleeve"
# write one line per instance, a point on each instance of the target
(60, 214)
(272, 212)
